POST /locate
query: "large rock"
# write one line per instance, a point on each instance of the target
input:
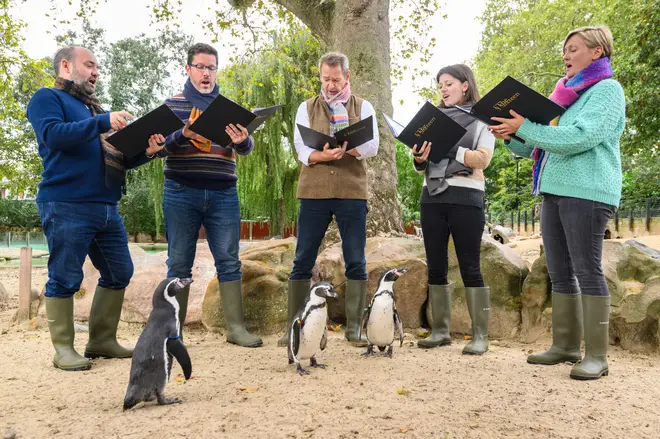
(382, 254)
(4, 297)
(266, 268)
(150, 270)
(633, 279)
(536, 298)
(504, 271)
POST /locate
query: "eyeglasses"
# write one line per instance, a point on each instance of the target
(202, 67)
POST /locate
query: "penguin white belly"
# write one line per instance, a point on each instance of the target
(380, 327)
(311, 333)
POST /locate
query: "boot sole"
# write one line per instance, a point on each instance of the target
(254, 345)
(93, 356)
(587, 378)
(71, 369)
(473, 353)
(423, 346)
(539, 363)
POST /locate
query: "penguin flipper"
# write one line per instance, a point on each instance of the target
(399, 325)
(324, 339)
(176, 348)
(294, 339)
(363, 323)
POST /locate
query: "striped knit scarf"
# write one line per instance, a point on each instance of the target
(566, 92)
(115, 168)
(339, 113)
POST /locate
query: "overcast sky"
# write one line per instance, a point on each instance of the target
(458, 36)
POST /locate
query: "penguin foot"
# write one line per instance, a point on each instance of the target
(167, 401)
(301, 371)
(370, 351)
(389, 352)
(313, 363)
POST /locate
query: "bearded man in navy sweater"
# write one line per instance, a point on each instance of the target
(83, 180)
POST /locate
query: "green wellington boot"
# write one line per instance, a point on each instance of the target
(566, 331)
(103, 321)
(231, 294)
(440, 301)
(596, 311)
(478, 302)
(62, 334)
(298, 291)
(356, 294)
(182, 298)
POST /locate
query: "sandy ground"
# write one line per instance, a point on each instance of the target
(237, 392)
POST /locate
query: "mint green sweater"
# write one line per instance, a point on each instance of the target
(584, 160)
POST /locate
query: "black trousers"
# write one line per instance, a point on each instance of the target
(466, 225)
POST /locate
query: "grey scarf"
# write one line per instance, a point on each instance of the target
(438, 173)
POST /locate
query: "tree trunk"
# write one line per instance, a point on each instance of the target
(361, 30)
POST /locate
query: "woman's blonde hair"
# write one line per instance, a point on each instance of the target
(597, 36)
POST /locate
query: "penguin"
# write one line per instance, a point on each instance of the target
(381, 319)
(309, 330)
(159, 342)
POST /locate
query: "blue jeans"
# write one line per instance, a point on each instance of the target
(573, 230)
(185, 210)
(75, 230)
(313, 220)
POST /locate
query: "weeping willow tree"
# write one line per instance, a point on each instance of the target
(285, 73)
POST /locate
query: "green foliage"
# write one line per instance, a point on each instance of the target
(409, 184)
(20, 77)
(137, 208)
(523, 38)
(19, 215)
(283, 73)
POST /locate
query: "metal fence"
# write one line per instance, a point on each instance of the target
(628, 215)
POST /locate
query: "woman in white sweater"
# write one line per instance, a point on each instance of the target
(452, 203)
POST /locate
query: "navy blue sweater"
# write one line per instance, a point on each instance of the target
(70, 147)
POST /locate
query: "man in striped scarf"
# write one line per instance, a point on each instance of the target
(333, 182)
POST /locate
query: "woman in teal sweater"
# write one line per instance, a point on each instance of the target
(577, 169)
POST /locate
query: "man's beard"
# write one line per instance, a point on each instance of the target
(82, 82)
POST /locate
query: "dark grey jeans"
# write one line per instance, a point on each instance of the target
(573, 231)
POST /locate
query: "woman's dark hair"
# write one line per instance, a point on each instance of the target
(464, 74)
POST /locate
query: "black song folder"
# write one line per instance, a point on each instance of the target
(357, 134)
(134, 138)
(511, 94)
(430, 124)
(221, 113)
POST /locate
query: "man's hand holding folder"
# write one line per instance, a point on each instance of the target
(328, 154)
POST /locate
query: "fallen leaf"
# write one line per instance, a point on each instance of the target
(492, 348)
(402, 391)
(335, 328)
(248, 389)
(467, 337)
(180, 379)
(31, 336)
(404, 430)
(423, 334)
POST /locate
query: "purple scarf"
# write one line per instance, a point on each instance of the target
(567, 91)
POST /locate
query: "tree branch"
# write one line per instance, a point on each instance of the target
(316, 14)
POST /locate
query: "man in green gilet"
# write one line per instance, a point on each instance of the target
(332, 182)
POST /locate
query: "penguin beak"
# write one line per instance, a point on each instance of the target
(331, 293)
(182, 283)
(400, 271)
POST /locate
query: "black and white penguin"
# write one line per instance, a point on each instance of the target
(159, 342)
(381, 320)
(309, 330)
